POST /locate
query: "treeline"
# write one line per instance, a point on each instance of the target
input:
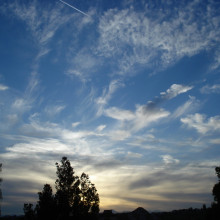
(188, 214)
(75, 198)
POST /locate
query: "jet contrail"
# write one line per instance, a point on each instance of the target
(74, 8)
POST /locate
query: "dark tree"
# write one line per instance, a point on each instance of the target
(46, 206)
(216, 194)
(0, 189)
(89, 196)
(216, 188)
(28, 211)
(75, 196)
(67, 186)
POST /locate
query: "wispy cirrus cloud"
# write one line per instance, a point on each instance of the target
(210, 89)
(137, 39)
(201, 123)
(54, 110)
(107, 94)
(216, 63)
(82, 65)
(42, 23)
(190, 105)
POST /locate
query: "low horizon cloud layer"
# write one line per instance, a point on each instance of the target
(127, 90)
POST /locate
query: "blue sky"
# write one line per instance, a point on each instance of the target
(127, 90)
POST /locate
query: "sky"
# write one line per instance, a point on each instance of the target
(128, 90)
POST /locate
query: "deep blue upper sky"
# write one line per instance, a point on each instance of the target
(127, 90)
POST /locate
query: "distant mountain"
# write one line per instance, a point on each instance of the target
(140, 213)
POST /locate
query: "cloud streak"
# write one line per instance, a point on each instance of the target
(74, 8)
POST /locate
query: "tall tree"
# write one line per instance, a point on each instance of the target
(67, 186)
(28, 211)
(216, 188)
(0, 189)
(75, 195)
(46, 206)
(89, 195)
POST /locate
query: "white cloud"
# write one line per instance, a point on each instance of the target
(82, 65)
(168, 159)
(141, 118)
(136, 38)
(187, 107)
(3, 87)
(75, 124)
(216, 63)
(201, 124)
(42, 22)
(175, 90)
(21, 105)
(119, 134)
(215, 141)
(100, 128)
(134, 155)
(107, 94)
(145, 116)
(12, 119)
(119, 114)
(210, 89)
(54, 110)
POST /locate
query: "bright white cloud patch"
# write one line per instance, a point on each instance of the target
(201, 123)
(119, 114)
(168, 159)
(175, 90)
(101, 127)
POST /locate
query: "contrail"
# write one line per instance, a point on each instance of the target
(74, 8)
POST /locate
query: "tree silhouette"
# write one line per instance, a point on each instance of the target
(75, 197)
(216, 188)
(28, 211)
(89, 195)
(46, 206)
(216, 194)
(0, 189)
(67, 186)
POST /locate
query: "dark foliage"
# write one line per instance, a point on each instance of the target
(216, 188)
(46, 206)
(216, 194)
(0, 188)
(75, 197)
(28, 211)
